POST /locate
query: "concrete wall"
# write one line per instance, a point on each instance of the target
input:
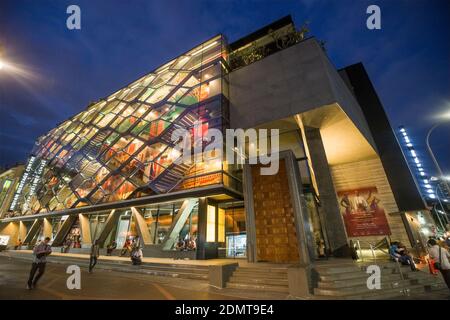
(289, 82)
(366, 174)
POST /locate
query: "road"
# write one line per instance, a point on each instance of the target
(101, 284)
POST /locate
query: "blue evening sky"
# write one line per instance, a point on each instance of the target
(408, 60)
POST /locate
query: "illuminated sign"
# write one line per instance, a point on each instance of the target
(34, 183)
(22, 182)
(31, 176)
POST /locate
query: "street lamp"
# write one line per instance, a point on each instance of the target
(441, 174)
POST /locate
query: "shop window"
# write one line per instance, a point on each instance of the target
(235, 243)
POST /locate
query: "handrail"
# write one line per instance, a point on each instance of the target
(372, 247)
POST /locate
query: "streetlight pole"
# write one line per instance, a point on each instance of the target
(441, 175)
(442, 206)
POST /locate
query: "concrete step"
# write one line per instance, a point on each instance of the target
(355, 267)
(361, 280)
(264, 269)
(398, 292)
(260, 274)
(385, 287)
(264, 287)
(385, 283)
(240, 279)
(361, 274)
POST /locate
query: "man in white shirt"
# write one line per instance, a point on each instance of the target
(40, 253)
(441, 256)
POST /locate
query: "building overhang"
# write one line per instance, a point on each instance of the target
(220, 192)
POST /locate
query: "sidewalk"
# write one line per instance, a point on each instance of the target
(127, 259)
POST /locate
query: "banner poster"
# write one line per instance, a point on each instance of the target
(363, 212)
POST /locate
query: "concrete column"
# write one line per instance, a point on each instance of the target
(303, 226)
(141, 226)
(201, 227)
(86, 240)
(249, 213)
(329, 206)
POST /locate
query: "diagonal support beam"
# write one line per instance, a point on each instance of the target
(178, 223)
(142, 229)
(110, 223)
(63, 231)
(33, 230)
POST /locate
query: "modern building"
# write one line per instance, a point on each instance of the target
(110, 172)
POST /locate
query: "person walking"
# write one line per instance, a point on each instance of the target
(40, 253)
(95, 253)
(441, 260)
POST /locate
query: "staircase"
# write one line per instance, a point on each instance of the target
(170, 177)
(249, 281)
(94, 146)
(350, 282)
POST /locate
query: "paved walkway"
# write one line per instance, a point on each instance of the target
(172, 261)
(101, 284)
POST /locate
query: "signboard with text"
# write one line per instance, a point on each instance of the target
(363, 212)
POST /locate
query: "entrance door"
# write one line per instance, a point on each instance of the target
(276, 235)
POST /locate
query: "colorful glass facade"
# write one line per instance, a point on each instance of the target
(121, 148)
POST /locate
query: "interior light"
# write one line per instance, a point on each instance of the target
(205, 48)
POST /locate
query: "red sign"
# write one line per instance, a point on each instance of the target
(363, 212)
